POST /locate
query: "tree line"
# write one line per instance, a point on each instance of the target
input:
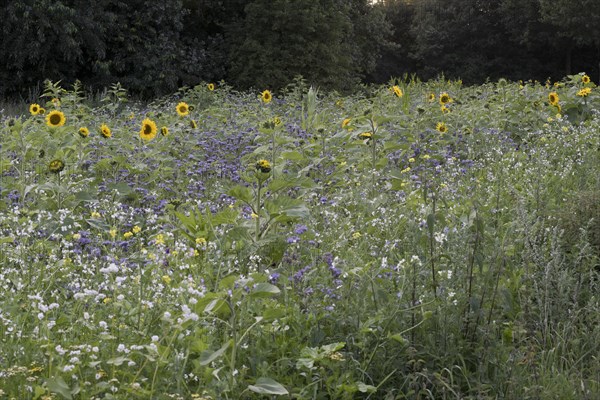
(152, 48)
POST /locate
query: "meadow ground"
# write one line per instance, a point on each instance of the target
(421, 240)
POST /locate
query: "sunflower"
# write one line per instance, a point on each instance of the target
(55, 119)
(193, 124)
(56, 166)
(148, 131)
(585, 79)
(266, 96)
(441, 127)
(211, 86)
(397, 91)
(34, 109)
(346, 123)
(365, 135)
(445, 98)
(164, 131)
(584, 92)
(553, 98)
(42, 111)
(431, 97)
(263, 166)
(183, 109)
(84, 132)
(105, 131)
(277, 121)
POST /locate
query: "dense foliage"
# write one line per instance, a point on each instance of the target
(420, 240)
(156, 47)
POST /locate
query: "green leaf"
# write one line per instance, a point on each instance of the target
(364, 388)
(206, 357)
(122, 188)
(58, 385)
(241, 193)
(117, 361)
(268, 386)
(264, 290)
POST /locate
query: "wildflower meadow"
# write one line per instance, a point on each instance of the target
(415, 240)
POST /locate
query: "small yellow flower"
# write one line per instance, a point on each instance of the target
(159, 239)
(431, 97)
(136, 229)
(426, 157)
(96, 215)
(411, 160)
(397, 91)
(76, 236)
(356, 235)
(127, 235)
(365, 135)
(201, 241)
(113, 233)
(405, 170)
(211, 86)
(164, 131)
(166, 279)
(346, 122)
(584, 92)
(56, 102)
(254, 216)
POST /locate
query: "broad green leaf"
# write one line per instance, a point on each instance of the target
(206, 357)
(268, 386)
(264, 290)
(58, 385)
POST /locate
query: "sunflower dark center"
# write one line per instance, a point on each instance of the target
(147, 129)
(55, 119)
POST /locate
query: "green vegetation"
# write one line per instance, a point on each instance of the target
(419, 240)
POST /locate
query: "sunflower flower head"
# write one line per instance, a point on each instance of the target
(585, 79)
(585, 92)
(55, 119)
(441, 127)
(263, 166)
(266, 96)
(397, 91)
(553, 98)
(56, 166)
(445, 99)
(365, 135)
(183, 109)
(148, 131)
(211, 86)
(84, 132)
(431, 97)
(105, 131)
(164, 131)
(34, 109)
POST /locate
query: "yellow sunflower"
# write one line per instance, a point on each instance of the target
(148, 131)
(105, 131)
(346, 122)
(441, 127)
(34, 109)
(84, 132)
(211, 86)
(445, 98)
(553, 98)
(266, 96)
(584, 92)
(365, 135)
(585, 79)
(183, 109)
(397, 91)
(164, 131)
(56, 166)
(42, 111)
(193, 124)
(431, 97)
(263, 166)
(55, 119)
